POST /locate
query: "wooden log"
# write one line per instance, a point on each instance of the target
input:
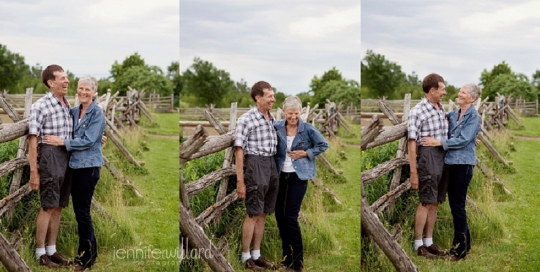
(214, 122)
(389, 198)
(192, 144)
(101, 210)
(122, 148)
(473, 205)
(9, 201)
(319, 184)
(213, 145)
(388, 134)
(9, 132)
(131, 121)
(493, 150)
(214, 211)
(11, 165)
(9, 110)
(512, 116)
(113, 127)
(145, 111)
(402, 145)
(229, 153)
(197, 240)
(197, 186)
(372, 174)
(328, 165)
(374, 229)
(370, 132)
(389, 112)
(11, 260)
(119, 176)
(119, 123)
(486, 133)
(490, 175)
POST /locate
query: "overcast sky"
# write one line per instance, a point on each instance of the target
(86, 37)
(283, 42)
(457, 39)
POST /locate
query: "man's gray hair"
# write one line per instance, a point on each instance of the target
(474, 90)
(292, 102)
(90, 80)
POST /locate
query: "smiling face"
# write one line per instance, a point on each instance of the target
(265, 102)
(438, 94)
(59, 86)
(464, 97)
(292, 116)
(85, 93)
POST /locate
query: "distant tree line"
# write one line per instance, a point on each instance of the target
(16, 76)
(203, 84)
(381, 77)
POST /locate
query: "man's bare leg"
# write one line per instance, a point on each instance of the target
(42, 225)
(248, 229)
(259, 231)
(431, 219)
(54, 225)
(420, 221)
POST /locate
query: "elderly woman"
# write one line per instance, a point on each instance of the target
(460, 159)
(86, 161)
(298, 144)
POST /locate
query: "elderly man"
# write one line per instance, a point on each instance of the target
(428, 119)
(257, 177)
(49, 164)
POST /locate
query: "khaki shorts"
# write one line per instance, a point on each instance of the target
(432, 181)
(262, 184)
(54, 176)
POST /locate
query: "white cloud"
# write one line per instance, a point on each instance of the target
(317, 27)
(504, 17)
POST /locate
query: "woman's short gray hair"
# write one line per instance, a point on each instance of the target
(292, 102)
(90, 80)
(474, 90)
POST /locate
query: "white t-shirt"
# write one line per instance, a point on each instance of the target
(287, 165)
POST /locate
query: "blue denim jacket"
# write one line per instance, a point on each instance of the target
(86, 142)
(462, 137)
(308, 139)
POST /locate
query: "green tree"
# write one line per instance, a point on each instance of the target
(508, 84)
(143, 78)
(343, 91)
(536, 81)
(173, 74)
(12, 68)
(381, 76)
(118, 69)
(207, 83)
(317, 85)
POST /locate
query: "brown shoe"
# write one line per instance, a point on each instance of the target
(434, 249)
(45, 261)
(250, 264)
(423, 251)
(262, 262)
(59, 259)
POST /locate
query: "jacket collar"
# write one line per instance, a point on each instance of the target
(282, 124)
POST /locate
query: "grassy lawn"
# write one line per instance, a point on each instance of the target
(143, 232)
(517, 247)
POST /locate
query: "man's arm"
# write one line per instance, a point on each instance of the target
(32, 160)
(412, 163)
(240, 185)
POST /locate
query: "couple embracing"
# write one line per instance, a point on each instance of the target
(442, 158)
(274, 161)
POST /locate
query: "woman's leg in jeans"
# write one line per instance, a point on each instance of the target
(82, 190)
(280, 219)
(458, 184)
(295, 195)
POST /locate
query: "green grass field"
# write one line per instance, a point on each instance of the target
(143, 233)
(505, 237)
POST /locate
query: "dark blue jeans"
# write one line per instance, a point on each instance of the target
(82, 190)
(458, 183)
(289, 199)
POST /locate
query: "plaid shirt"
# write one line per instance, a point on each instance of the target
(50, 117)
(255, 134)
(427, 121)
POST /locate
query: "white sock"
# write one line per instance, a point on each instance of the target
(39, 251)
(417, 244)
(255, 254)
(428, 241)
(50, 250)
(245, 256)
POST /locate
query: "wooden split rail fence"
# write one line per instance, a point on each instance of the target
(376, 134)
(116, 111)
